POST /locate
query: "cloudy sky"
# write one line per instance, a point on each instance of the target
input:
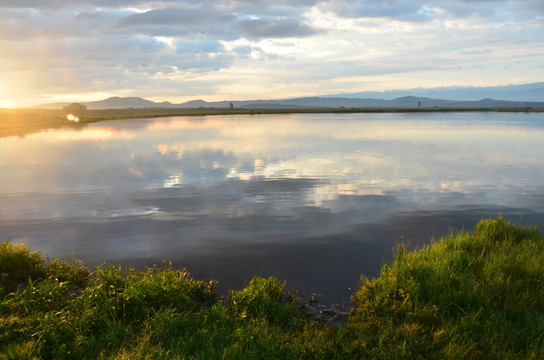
(82, 50)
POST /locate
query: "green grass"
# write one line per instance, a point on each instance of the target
(476, 295)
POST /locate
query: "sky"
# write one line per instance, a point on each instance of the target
(85, 50)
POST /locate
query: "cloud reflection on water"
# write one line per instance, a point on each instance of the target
(289, 195)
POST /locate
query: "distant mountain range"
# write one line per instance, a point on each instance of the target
(525, 92)
(529, 95)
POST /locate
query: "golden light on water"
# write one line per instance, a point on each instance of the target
(162, 148)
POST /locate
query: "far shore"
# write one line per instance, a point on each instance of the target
(20, 122)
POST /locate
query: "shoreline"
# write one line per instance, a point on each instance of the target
(20, 122)
(471, 294)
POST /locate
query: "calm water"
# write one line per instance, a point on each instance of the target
(313, 199)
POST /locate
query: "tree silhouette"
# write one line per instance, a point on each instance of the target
(75, 109)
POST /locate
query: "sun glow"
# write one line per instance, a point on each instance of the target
(72, 117)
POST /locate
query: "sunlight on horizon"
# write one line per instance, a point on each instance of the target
(44, 99)
(7, 104)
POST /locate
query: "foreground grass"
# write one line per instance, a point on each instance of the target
(468, 296)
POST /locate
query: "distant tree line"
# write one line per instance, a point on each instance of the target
(75, 109)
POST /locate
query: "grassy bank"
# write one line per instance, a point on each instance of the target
(20, 122)
(470, 295)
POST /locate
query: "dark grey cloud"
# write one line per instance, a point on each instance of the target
(276, 7)
(173, 17)
(273, 29)
(535, 7)
(31, 24)
(176, 22)
(62, 4)
(212, 23)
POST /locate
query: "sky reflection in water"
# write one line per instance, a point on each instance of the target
(314, 199)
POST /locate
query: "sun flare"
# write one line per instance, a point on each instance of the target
(72, 117)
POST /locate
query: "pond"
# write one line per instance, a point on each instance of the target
(314, 199)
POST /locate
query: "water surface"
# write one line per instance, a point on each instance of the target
(315, 199)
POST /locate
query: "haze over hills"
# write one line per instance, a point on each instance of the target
(528, 95)
(525, 92)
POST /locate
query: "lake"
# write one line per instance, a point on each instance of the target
(314, 199)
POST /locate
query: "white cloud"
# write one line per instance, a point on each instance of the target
(274, 49)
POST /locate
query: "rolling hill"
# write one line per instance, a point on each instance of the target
(529, 95)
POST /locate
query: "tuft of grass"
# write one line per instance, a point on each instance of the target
(473, 295)
(263, 298)
(18, 266)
